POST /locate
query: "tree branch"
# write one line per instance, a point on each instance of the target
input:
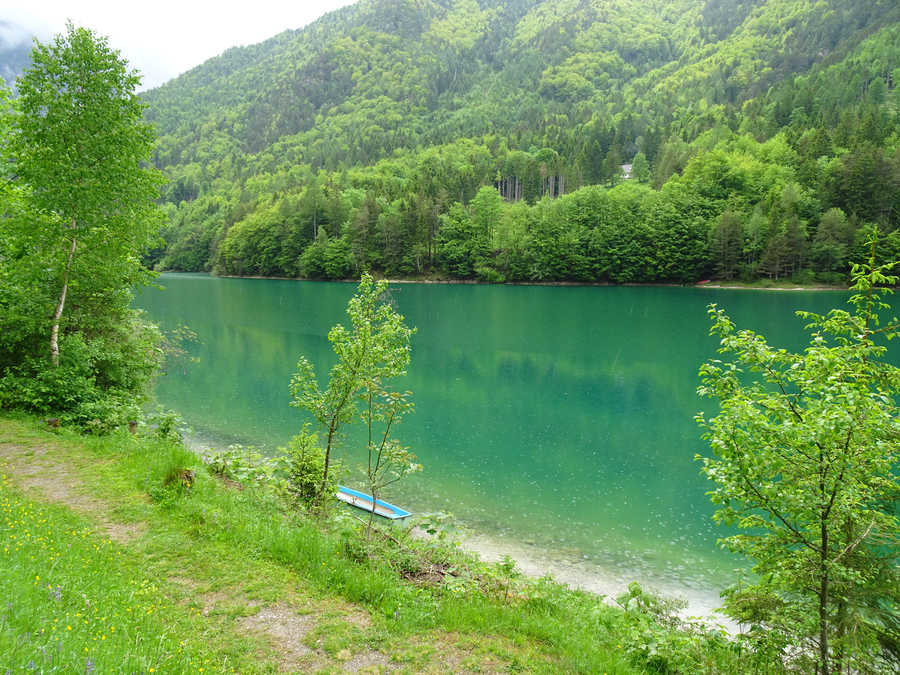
(766, 504)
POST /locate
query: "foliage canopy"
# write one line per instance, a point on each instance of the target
(381, 123)
(806, 448)
(78, 211)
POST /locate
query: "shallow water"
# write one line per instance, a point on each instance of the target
(555, 421)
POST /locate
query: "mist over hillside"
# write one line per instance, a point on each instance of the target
(15, 51)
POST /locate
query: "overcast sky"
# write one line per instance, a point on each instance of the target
(167, 37)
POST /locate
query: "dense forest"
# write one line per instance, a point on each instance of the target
(530, 140)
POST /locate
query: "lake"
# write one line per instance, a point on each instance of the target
(557, 423)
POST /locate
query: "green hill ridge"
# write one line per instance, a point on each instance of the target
(486, 140)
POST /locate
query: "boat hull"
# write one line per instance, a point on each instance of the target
(363, 501)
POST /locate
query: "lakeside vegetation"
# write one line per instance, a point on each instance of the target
(218, 556)
(805, 458)
(77, 201)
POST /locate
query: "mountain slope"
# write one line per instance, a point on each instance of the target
(463, 65)
(535, 98)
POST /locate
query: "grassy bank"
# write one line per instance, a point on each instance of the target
(117, 559)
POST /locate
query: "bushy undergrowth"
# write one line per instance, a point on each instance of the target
(100, 380)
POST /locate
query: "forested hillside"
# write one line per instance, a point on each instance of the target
(466, 139)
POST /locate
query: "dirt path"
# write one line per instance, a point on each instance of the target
(34, 470)
(282, 626)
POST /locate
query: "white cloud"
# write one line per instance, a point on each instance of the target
(165, 38)
(12, 34)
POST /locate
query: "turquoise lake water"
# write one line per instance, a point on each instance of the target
(559, 420)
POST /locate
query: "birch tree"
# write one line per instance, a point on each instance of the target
(83, 148)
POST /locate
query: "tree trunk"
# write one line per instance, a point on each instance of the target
(54, 331)
(320, 498)
(823, 614)
(841, 623)
(823, 584)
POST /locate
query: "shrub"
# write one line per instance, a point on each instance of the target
(305, 460)
(99, 383)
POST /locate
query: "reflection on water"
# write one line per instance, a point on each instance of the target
(556, 418)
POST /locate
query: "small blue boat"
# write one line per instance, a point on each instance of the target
(363, 501)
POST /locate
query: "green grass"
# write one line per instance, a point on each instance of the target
(78, 603)
(248, 550)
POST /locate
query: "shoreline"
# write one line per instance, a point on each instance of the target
(536, 562)
(575, 284)
(818, 287)
(581, 575)
(116, 491)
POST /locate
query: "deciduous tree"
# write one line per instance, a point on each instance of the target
(77, 212)
(372, 351)
(805, 451)
(82, 146)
